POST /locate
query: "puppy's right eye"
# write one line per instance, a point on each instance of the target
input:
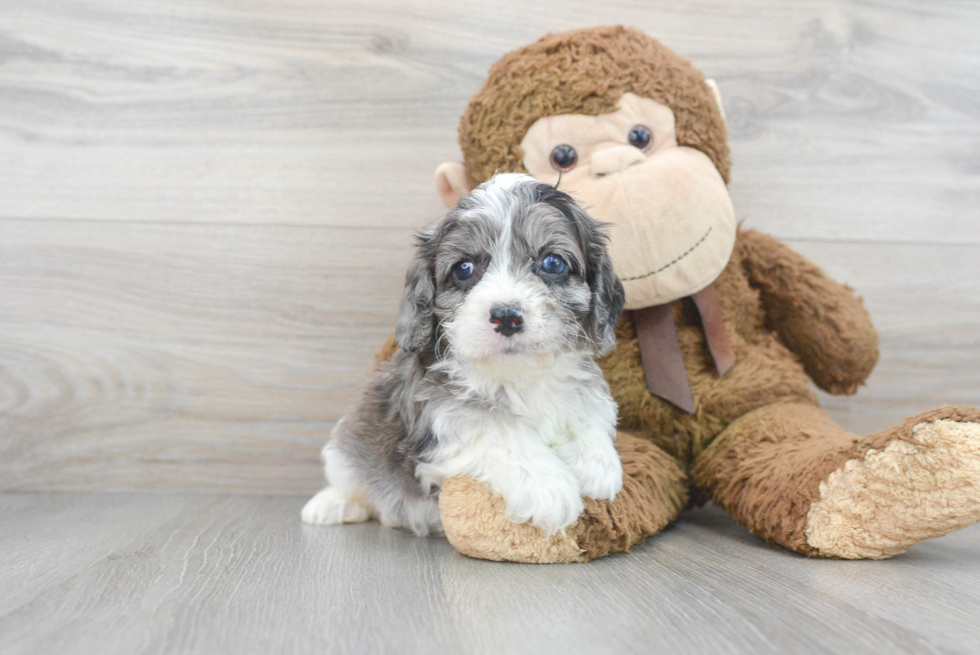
(553, 265)
(463, 270)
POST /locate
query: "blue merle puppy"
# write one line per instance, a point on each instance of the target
(507, 302)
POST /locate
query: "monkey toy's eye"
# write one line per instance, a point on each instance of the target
(553, 265)
(463, 270)
(564, 158)
(640, 136)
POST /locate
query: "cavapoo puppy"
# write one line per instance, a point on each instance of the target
(507, 302)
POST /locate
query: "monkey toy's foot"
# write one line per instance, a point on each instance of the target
(795, 477)
(921, 485)
(654, 491)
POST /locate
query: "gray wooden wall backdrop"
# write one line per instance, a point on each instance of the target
(206, 205)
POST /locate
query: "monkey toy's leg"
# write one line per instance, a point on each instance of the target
(799, 480)
(655, 489)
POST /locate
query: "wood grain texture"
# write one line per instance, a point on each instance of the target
(861, 117)
(106, 574)
(206, 206)
(140, 355)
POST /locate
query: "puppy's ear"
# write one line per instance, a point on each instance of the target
(416, 322)
(608, 298)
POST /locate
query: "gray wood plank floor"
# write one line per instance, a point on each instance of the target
(138, 574)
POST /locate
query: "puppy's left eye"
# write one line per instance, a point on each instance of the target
(464, 270)
(553, 265)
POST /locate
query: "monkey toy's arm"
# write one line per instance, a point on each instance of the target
(820, 320)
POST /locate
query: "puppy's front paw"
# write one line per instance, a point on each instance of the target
(600, 476)
(330, 506)
(595, 463)
(549, 504)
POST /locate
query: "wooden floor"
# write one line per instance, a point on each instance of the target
(102, 574)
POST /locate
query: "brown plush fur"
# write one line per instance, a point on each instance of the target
(766, 371)
(766, 467)
(921, 482)
(387, 350)
(812, 315)
(584, 72)
(757, 443)
(769, 383)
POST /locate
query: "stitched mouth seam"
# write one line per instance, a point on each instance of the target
(676, 259)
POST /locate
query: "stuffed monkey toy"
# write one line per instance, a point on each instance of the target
(725, 330)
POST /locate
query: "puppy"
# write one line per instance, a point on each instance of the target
(506, 303)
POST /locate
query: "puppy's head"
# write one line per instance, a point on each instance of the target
(515, 268)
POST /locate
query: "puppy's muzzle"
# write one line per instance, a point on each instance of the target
(508, 320)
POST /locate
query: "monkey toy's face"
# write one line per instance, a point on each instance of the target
(672, 222)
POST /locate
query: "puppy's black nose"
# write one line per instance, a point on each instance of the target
(508, 320)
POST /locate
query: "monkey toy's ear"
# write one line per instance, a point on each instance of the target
(716, 94)
(452, 182)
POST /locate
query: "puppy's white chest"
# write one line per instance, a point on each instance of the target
(540, 446)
